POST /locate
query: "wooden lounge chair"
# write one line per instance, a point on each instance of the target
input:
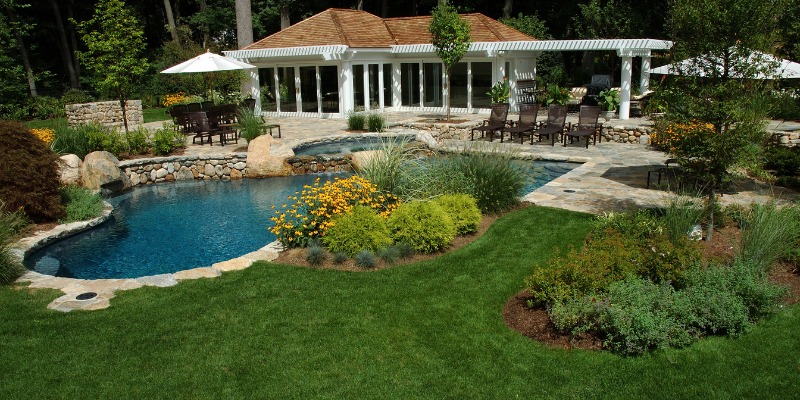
(556, 119)
(526, 123)
(587, 126)
(200, 127)
(496, 122)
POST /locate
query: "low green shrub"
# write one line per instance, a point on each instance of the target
(10, 223)
(406, 250)
(609, 256)
(80, 203)
(136, 141)
(638, 224)
(166, 140)
(784, 161)
(356, 121)
(76, 96)
(375, 122)
(316, 255)
(769, 234)
(422, 224)
(28, 174)
(463, 210)
(359, 229)
(366, 259)
(46, 107)
(102, 138)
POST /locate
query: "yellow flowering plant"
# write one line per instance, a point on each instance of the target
(46, 135)
(667, 135)
(310, 212)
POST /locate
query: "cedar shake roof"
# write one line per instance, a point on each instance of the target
(360, 29)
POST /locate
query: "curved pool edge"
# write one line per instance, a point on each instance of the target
(105, 289)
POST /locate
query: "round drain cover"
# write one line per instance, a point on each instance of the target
(86, 296)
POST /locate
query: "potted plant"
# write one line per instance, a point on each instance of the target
(500, 92)
(608, 100)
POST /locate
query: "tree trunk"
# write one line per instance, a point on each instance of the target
(507, 8)
(73, 41)
(384, 8)
(244, 23)
(712, 200)
(173, 30)
(204, 27)
(23, 51)
(63, 46)
(122, 105)
(285, 23)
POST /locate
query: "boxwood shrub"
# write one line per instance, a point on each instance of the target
(359, 229)
(463, 210)
(424, 225)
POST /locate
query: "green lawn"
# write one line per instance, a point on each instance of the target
(150, 115)
(428, 330)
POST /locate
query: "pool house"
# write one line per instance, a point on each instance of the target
(342, 60)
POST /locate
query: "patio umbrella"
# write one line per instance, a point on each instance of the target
(785, 69)
(207, 62)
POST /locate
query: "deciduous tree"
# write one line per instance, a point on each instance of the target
(450, 37)
(115, 42)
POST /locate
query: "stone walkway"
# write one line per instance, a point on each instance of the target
(612, 177)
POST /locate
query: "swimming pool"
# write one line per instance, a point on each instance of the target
(170, 227)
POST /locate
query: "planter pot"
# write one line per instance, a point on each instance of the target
(607, 115)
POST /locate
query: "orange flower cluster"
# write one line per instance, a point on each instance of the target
(311, 213)
(666, 136)
(177, 98)
(46, 135)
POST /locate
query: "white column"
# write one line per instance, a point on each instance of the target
(277, 94)
(255, 89)
(319, 90)
(346, 88)
(380, 87)
(297, 93)
(396, 88)
(421, 85)
(625, 92)
(365, 77)
(644, 80)
(469, 87)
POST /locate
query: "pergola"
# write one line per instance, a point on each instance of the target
(339, 60)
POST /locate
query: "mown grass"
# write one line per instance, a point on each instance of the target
(149, 115)
(427, 330)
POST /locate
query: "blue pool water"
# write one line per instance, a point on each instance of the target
(171, 227)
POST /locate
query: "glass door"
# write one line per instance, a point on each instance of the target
(308, 89)
(432, 81)
(287, 89)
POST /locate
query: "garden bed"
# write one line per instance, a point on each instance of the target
(535, 322)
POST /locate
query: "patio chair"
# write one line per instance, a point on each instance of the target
(194, 107)
(496, 122)
(200, 127)
(556, 119)
(526, 123)
(587, 126)
(207, 104)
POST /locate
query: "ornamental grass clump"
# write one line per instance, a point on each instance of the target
(311, 212)
(385, 168)
(316, 255)
(80, 203)
(356, 121)
(366, 259)
(10, 224)
(769, 234)
(250, 124)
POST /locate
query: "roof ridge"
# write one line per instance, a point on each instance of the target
(482, 18)
(339, 29)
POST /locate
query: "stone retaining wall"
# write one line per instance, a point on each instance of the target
(322, 163)
(106, 113)
(178, 168)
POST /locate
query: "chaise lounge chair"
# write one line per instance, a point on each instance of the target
(526, 124)
(496, 122)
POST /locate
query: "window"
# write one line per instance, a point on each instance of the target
(409, 84)
(433, 84)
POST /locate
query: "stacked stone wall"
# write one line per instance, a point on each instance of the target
(106, 113)
(322, 163)
(179, 168)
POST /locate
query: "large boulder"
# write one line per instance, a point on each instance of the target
(362, 158)
(100, 171)
(69, 169)
(266, 157)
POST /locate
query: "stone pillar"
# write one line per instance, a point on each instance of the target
(625, 88)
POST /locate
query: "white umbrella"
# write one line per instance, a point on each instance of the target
(207, 62)
(784, 68)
